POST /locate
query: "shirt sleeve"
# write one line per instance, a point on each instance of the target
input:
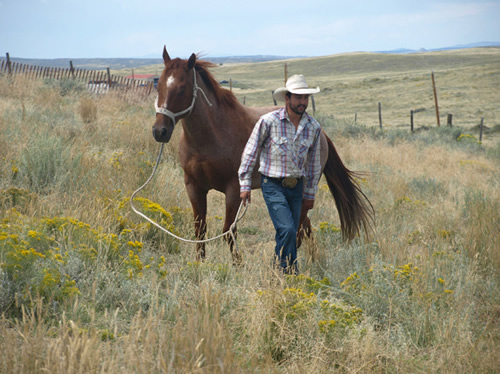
(250, 154)
(313, 167)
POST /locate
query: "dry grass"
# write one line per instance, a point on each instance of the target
(87, 287)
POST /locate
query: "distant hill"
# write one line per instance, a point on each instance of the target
(130, 63)
(88, 63)
(459, 46)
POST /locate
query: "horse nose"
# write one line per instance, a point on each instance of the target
(156, 133)
(161, 134)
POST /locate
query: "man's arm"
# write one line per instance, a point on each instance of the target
(249, 158)
(307, 204)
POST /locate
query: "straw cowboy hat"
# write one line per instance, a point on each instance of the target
(296, 84)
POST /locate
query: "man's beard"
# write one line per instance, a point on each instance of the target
(298, 109)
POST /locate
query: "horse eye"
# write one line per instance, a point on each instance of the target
(181, 88)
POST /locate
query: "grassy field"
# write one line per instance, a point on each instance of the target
(86, 286)
(352, 85)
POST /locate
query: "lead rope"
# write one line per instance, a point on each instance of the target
(231, 230)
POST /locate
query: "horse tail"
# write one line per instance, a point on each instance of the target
(355, 210)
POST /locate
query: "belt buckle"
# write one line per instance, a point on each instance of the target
(289, 182)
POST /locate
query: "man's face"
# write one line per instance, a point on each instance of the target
(297, 103)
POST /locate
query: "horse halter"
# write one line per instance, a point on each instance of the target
(163, 110)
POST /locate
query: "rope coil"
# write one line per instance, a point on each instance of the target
(230, 231)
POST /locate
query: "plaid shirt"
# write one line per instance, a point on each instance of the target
(284, 151)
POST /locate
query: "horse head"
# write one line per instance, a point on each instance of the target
(176, 95)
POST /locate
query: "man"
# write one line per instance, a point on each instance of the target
(288, 144)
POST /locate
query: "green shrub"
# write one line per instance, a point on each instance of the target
(49, 164)
(425, 187)
(65, 87)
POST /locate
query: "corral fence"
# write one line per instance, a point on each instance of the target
(97, 82)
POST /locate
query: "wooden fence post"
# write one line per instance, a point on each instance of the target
(450, 119)
(435, 99)
(274, 100)
(481, 129)
(314, 104)
(286, 73)
(151, 87)
(411, 120)
(355, 117)
(380, 114)
(72, 69)
(8, 63)
(109, 77)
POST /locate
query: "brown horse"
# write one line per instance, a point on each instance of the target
(216, 128)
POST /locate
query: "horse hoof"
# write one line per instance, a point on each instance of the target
(237, 261)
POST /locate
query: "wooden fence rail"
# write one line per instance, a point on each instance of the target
(98, 82)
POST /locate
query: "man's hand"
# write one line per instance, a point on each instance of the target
(307, 204)
(245, 197)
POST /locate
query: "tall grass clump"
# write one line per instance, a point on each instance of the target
(86, 285)
(455, 137)
(88, 110)
(48, 163)
(480, 215)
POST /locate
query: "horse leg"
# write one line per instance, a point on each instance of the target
(305, 229)
(198, 200)
(232, 204)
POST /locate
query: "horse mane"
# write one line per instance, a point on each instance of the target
(222, 95)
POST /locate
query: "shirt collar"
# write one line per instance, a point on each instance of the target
(304, 120)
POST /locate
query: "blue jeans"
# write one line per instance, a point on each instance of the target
(284, 206)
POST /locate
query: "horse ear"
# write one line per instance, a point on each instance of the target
(166, 57)
(191, 61)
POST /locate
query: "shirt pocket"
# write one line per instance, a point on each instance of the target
(305, 144)
(279, 145)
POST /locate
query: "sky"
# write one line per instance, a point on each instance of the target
(216, 28)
